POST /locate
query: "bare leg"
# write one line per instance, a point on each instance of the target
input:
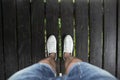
(70, 61)
(50, 60)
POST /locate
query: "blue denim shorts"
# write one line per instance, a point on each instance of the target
(80, 71)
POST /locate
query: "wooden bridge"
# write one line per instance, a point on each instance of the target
(26, 24)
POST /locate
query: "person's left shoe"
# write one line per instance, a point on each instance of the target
(51, 45)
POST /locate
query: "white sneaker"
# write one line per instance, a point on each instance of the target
(51, 45)
(68, 44)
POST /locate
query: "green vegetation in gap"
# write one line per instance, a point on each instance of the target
(44, 1)
(45, 21)
(73, 1)
(60, 41)
(59, 23)
(45, 33)
(45, 42)
(59, 1)
(74, 38)
(74, 53)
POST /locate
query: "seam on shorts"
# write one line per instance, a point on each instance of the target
(80, 69)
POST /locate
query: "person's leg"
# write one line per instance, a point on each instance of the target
(78, 70)
(70, 61)
(50, 61)
(44, 70)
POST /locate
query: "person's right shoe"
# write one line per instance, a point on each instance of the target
(68, 44)
(52, 45)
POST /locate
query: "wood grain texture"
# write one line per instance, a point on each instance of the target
(23, 23)
(66, 17)
(110, 35)
(23, 33)
(10, 42)
(37, 21)
(66, 13)
(2, 70)
(96, 31)
(81, 18)
(118, 49)
(52, 14)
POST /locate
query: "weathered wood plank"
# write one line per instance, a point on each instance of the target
(66, 14)
(37, 20)
(96, 30)
(52, 10)
(66, 17)
(81, 18)
(110, 35)
(23, 33)
(2, 71)
(118, 49)
(9, 26)
(52, 14)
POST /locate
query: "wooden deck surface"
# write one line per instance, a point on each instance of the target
(25, 26)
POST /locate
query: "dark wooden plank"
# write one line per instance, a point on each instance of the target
(23, 33)
(118, 49)
(9, 24)
(52, 9)
(66, 14)
(52, 14)
(66, 17)
(2, 71)
(81, 18)
(96, 27)
(110, 35)
(37, 20)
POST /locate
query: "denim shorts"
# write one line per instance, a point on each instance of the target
(80, 71)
